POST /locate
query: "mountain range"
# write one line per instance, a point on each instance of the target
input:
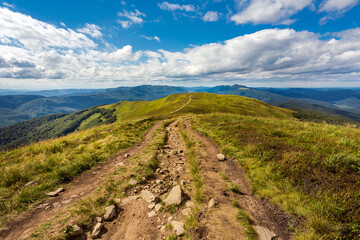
(14, 108)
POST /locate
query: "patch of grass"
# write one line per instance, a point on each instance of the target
(172, 237)
(173, 208)
(194, 165)
(311, 170)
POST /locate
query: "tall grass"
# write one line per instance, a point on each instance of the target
(311, 170)
(56, 162)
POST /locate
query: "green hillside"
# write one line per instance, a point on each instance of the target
(58, 125)
(309, 170)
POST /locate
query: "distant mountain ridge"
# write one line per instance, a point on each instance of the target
(17, 108)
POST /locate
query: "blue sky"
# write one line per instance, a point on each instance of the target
(110, 43)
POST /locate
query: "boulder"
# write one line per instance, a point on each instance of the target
(175, 196)
(76, 230)
(56, 192)
(178, 227)
(264, 233)
(96, 231)
(151, 214)
(158, 207)
(149, 196)
(221, 157)
(110, 212)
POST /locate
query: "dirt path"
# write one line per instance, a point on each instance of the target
(26, 222)
(182, 106)
(142, 220)
(264, 214)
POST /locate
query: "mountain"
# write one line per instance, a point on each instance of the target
(57, 125)
(200, 158)
(16, 108)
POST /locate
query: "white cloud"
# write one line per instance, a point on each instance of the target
(131, 17)
(268, 11)
(8, 5)
(338, 5)
(35, 34)
(156, 38)
(91, 30)
(62, 24)
(211, 16)
(281, 54)
(174, 6)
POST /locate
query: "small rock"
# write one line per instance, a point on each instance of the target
(120, 164)
(186, 211)
(56, 204)
(126, 155)
(182, 183)
(170, 218)
(97, 229)
(178, 227)
(151, 214)
(158, 181)
(74, 196)
(149, 196)
(77, 230)
(189, 204)
(175, 196)
(66, 201)
(110, 212)
(56, 192)
(99, 219)
(211, 203)
(44, 205)
(31, 183)
(133, 182)
(221, 157)
(158, 207)
(151, 205)
(264, 233)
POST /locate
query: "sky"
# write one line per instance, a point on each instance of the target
(110, 43)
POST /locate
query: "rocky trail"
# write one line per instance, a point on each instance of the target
(165, 206)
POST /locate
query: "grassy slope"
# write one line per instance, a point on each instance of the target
(201, 103)
(52, 163)
(58, 125)
(311, 170)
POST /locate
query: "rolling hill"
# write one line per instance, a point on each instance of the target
(61, 124)
(16, 108)
(278, 175)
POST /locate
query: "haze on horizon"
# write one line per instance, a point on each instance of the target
(105, 43)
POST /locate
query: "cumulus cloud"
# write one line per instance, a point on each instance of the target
(33, 34)
(211, 16)
(129, 18)
(156, 38)
(91, 29)
(174, 6)
(281, 54)
(268, 11)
